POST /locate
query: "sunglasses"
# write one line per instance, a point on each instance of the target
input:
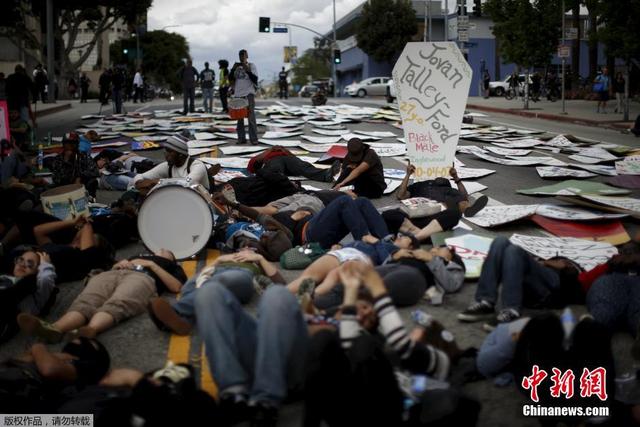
(26, 262)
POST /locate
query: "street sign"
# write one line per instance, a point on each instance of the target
(564, 51)
(463, 35)
(290, 53)
(571, 34)
(463, 20)
(280, 29)
(432, 85)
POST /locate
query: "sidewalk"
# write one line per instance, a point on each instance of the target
(43, 109)
(578, 111)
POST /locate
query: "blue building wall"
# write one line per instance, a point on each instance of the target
(357, 65)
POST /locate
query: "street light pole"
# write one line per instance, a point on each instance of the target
(563, 60)
(446, 20)
(334, 76)
(430, 20)
(51, 72)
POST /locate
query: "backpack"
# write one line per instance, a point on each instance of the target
(263, 188)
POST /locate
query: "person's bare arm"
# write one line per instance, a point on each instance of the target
(50, 366)
(355, 173)
(41, 232)
(171, 283)
(402, 192)
(87, 238)
(461, 188)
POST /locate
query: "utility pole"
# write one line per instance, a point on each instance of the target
(430, 20)
(564, 60)
(51, 72)
(336, 91)
(446, 20)
(426, 14)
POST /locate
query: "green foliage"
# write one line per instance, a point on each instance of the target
(162, 54)
(621, 30)
(528, 31)
(385, 27)
(314, 63)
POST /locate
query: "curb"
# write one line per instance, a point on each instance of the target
(53, 110)
(554, 117)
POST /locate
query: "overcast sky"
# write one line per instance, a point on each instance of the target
(217, 29)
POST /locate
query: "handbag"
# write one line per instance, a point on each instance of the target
(598, 86)
(301, 257)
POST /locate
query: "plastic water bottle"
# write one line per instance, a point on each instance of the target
(568, 323)
(421, 318)
(40, 157)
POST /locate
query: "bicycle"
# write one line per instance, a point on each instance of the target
(510, 93)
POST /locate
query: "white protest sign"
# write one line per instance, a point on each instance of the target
(329, 132)
(492, 216)
(556, 172)
(559, 141)
(226, 176)
(322, 139)
(280, 142)
(227, 162)
(389, 150)
(377, 134)
(432, 85)
(392, 185)
(394, 173)
(521, 143)
(507, 151)
(599, 169)
(365, 138)
(468, 173)
(205, 135)
(625, 203)
(231, 150)
(573, 214)
(473, 250)
(629, 166)
(586, 253)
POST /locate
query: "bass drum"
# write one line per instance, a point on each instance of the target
(176, 217)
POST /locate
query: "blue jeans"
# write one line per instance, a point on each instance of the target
(343, 216)
(207, 95)
(496, 351)
(614, 301)
(188, 99)
(238, 280)
(116, 182)
(265, 357)
(253, 126)
(522, 277)
(117, 100)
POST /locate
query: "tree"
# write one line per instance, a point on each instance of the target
(98, 16)
(314, 62)
(528, 31)
(162, 55)
(385, 27)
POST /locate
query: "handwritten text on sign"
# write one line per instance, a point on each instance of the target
(432, 84)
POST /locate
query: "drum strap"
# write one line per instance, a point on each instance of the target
(189, 163)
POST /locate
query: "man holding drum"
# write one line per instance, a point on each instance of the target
(178, 164)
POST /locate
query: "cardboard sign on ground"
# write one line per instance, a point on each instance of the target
(570, 213)
(492, 216)
(432, 85)
(559, 172)
(473, 249)
(572, 187)
(625, 181)
(608, 231)
(583, 252)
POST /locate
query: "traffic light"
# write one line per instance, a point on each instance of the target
(336, 56)
(265, 25)
(125, 51)
(462, 9)
(477, 8)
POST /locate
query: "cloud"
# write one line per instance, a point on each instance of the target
(217, 29)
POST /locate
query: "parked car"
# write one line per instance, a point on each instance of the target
(371, 86)
(500, 87)
(347, 88)
(391, 91)
(308, 91)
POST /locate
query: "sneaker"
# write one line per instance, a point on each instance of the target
(233, 409)
(476, 206)
(33, 326)
(477, 311)
(263, 415)
(166, 319)
(505, 316)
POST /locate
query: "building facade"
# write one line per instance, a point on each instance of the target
(482, 50)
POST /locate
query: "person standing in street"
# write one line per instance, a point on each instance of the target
(207, 77)
(189, 76)
(223, 83)
(486, 78)
(618, 89)
(118, 82)
(19, 88)
(138, 86)
(244, 78)
(105, 84)
(84, 87)
(41, 81)
(601, 86)
(284, 85)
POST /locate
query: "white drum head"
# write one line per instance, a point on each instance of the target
(175, 218)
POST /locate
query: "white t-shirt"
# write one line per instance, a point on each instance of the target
(243, 85)
(137, 80)
(198, 173)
